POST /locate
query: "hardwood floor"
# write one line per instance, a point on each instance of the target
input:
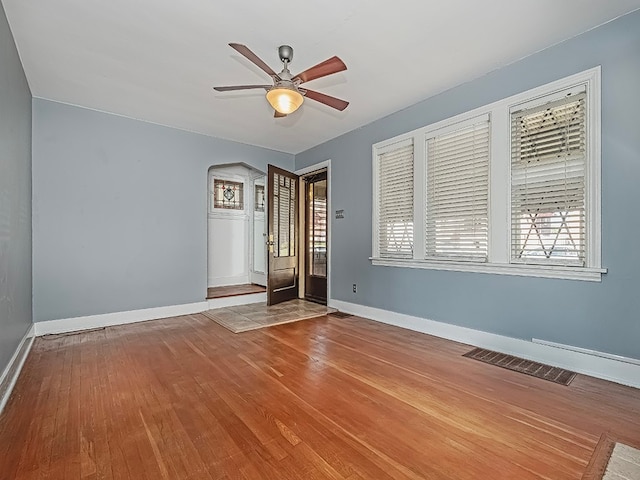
(183, 398)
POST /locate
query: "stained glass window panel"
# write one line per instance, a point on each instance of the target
(228, 194)
(259, 198)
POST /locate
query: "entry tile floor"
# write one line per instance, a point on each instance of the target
(624, 463)
(243, 318)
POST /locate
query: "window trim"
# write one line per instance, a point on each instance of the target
(500, 187)
(529, 270)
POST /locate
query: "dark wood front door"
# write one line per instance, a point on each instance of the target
(282, 274)
(316, 235)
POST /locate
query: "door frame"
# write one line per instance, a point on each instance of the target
(259, 278)
(301, 258)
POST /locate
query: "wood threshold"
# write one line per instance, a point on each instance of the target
(234, 290)
(601, 455)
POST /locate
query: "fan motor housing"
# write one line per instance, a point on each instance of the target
(286, 53)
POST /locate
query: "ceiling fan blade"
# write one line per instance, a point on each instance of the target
(252, 57)
(277, 114)
(241, 87)
(326, 99)
(328, 67)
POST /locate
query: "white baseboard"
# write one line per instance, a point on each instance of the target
(619, 370)
(258, 278)
(618, 358)
(67, 325)
(236, 300)
(12, 372)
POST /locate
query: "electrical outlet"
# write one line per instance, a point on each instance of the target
(355, 289)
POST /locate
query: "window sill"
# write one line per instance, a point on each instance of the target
(541, 271)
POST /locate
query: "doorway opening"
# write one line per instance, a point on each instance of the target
(298, 234)
(270, 231)
(236, 227)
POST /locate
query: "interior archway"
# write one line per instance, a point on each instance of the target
(236, 213)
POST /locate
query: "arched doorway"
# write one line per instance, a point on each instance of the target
(236, 250)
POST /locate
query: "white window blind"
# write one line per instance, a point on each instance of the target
(395, 201)
(457, 219)
(548, 165)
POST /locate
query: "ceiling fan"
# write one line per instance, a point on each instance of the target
(285, 95)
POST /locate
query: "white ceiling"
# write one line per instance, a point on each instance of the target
(157, 60)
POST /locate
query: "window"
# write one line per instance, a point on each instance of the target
(259, 198)
(457, 213)
(548, 173)
(316, 221)
(228, 194)
(509, 188)
(283, 215)
(394, 204)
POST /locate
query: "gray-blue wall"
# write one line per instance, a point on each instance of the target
(15, 197)
(120, 211)
(602, 316)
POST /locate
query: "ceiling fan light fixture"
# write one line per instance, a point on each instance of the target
(284, 100)
(284, 96)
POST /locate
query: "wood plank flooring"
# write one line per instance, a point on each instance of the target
(330, 398)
